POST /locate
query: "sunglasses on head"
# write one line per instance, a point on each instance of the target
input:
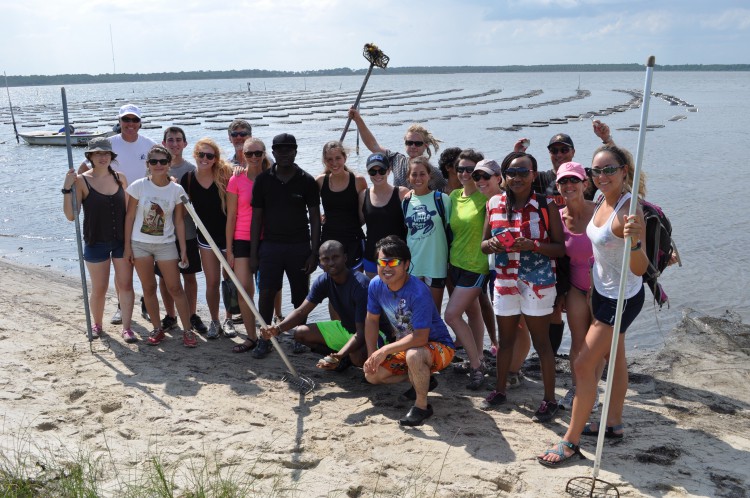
(377, 171)
(154, 162)
(130, 119)
(480, 175)
(251, 153)
(517, 172)
(569, 179)
(415, 143)
(464, 169)
(559, 150)
(235, 134)
(207, 155)
(389, 262)
(607, 170)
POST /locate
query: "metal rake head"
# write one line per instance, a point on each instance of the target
(301, 383)
(592, 487)
(375, 56)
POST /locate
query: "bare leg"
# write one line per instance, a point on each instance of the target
(419, 361)
(437, 297)
(507, 332)
(579, 320)
(464, 299)
(145, 268)
(539, 329)
(99, 273)
(171, 274)
(521, 348)
(124, 281)
(488, 316)
(166, 298)
(242, 270)
(191, 291)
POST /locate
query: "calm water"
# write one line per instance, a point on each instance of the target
(692, 164)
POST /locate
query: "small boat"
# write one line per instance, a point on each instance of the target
(58, 138)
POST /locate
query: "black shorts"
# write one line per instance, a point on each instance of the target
(241, 248)
(465, 278)
(604, 308)
(194, 258)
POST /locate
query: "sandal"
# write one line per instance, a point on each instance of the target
(609, 431)
(244, 347)
(559, 450)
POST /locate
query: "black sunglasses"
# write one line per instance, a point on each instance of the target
(517, 172)
(464, 169)
(207, 155)
(415, 143)
(480, 175)
(154, 162)
(561, 150)
(127, 119)
(377, 171)
(569, 179)
(251, 153)
(236, 134)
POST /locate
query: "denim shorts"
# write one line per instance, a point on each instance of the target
(103, 251)
(160, 251)
(604, 308)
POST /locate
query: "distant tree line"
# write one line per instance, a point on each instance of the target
(72, 79)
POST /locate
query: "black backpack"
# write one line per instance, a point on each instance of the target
(659, 248)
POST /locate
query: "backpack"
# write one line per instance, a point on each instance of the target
(441, 212)
(562, 264)
(659, 248)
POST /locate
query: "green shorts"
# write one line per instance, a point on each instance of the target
(336, 336)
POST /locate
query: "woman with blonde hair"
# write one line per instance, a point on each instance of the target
(207, 190)
(339, 194)
(417, 143)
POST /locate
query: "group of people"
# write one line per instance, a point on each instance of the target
(515, 247)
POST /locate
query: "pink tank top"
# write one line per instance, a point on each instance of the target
(579, 250)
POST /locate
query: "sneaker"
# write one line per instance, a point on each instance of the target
(566, 402)
(262, 349)
(596, 403)
(117, 317)
(546, 412)
(129, 336)
(214, 329)
(157, 335)
(188, 339)
(96, 331)
(298, 347)
(144, 311)
(237, 320)
(198, 325)
(462, 368)
(493, 400)
(169, 323)
(477, 379)
(514, 380)
(228, 329)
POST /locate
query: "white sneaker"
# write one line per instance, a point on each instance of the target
(228, 328)
(117, 317)
(566, 402)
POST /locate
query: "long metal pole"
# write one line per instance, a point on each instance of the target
(356, 102)
(225, 264)
(625, 267)
(84, 287)
(12, 116)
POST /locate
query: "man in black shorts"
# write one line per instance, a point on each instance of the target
(286, 210)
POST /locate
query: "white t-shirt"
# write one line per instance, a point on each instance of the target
(153, 217)
(131, 156)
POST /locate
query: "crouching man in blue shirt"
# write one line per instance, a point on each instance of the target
(423, 344)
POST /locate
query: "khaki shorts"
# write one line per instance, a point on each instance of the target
(160, 252)
(440, 353)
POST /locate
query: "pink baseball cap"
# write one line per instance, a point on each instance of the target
(571, 169)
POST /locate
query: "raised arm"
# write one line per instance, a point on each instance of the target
(364, 132)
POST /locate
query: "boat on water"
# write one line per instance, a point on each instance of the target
(49, 137)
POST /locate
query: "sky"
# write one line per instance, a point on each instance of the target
(65, 36)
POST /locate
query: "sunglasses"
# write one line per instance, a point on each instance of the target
(480, 175)
(377, 171)
(251, 153)
(154, 162)
(126, 119)
(560, 150)
(607, 170)
(207, 155)
(517, 172)
(464, 169)
(389, 262)
(415, 143)
(569, 179)
(235, 134)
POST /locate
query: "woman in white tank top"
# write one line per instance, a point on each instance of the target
(610, 230)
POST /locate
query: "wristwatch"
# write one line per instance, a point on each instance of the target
(636, 247)
(66, 190)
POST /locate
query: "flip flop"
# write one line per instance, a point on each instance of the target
(559, 450)
(244, 347)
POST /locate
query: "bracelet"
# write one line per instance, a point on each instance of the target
(66, 190)
(635, 247)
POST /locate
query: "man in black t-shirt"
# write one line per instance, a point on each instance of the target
(286, 213)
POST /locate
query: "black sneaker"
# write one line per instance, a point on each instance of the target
(477, 379)
(262, 349)
(144, 311)
(298, 348)
(198, 324)
(493, 400)
(169, 323)
(546, 412)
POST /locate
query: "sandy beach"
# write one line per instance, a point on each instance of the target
(687, 414)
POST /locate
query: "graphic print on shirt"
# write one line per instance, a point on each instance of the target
(403, 319)
(153, 221)
(420, 220)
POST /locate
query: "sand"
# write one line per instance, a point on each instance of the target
(687, 413)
